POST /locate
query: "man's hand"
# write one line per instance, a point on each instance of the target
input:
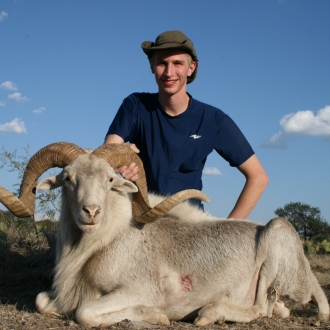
(127, 172)
(132, 146)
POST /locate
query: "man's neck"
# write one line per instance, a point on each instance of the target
(173, 105)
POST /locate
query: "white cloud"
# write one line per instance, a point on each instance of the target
(2, 104)
(9, 85)
(17, 97)
(301, 123)
(306, 123)
(15, 126)
(211, 171)
(42, 109)
(3, 15)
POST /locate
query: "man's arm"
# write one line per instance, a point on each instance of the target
(256, 182)
(128, 172)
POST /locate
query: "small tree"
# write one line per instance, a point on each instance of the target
(307, 220)
(47, 202)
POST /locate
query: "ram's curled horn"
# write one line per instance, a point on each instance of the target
(54, 155)
(166, 205)
(118, 155)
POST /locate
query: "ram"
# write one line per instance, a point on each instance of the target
(120, 258)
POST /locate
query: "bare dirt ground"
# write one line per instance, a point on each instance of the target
(24, 272)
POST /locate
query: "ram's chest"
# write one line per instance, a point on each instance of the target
(101, 272)
(115, 266)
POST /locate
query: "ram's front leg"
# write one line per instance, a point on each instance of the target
(220, 311)
(118, 306)
(45, 303)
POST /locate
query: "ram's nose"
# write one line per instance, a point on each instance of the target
(91, 210)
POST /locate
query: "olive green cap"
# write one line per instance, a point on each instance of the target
(172, 40)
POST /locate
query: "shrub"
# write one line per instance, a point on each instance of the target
(316, 247)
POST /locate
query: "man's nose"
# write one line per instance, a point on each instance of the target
(168, 70)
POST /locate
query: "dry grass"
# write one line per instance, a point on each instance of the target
(26, 267)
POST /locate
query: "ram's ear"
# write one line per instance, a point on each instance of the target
(123, 185)
(51, 182)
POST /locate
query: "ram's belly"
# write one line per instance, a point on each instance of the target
(184, 293)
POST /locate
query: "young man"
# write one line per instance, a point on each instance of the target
(174, 133)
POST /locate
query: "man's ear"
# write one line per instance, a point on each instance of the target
(192, 68)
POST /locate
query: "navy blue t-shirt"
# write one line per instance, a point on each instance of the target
(174, 149)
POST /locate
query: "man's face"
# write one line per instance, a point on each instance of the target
(171, 69)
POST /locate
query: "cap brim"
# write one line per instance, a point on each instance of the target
(148, 48)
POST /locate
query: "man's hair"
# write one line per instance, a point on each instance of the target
(190, 60)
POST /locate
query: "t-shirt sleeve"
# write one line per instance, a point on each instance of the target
(230, 142)
(124, 123)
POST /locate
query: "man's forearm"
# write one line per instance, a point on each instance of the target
(113, 138)
(249, 197)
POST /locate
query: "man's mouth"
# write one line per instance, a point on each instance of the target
(169, 82)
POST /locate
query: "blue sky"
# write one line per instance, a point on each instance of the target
(65, 67)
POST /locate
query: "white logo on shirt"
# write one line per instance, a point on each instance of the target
(195, 136)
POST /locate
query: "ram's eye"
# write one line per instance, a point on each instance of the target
(111, 179)
(67, 179)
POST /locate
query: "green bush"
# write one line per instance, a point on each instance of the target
(3, 236)
(308, 247)
(46, 226)
(25, 232)
(316, 247)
